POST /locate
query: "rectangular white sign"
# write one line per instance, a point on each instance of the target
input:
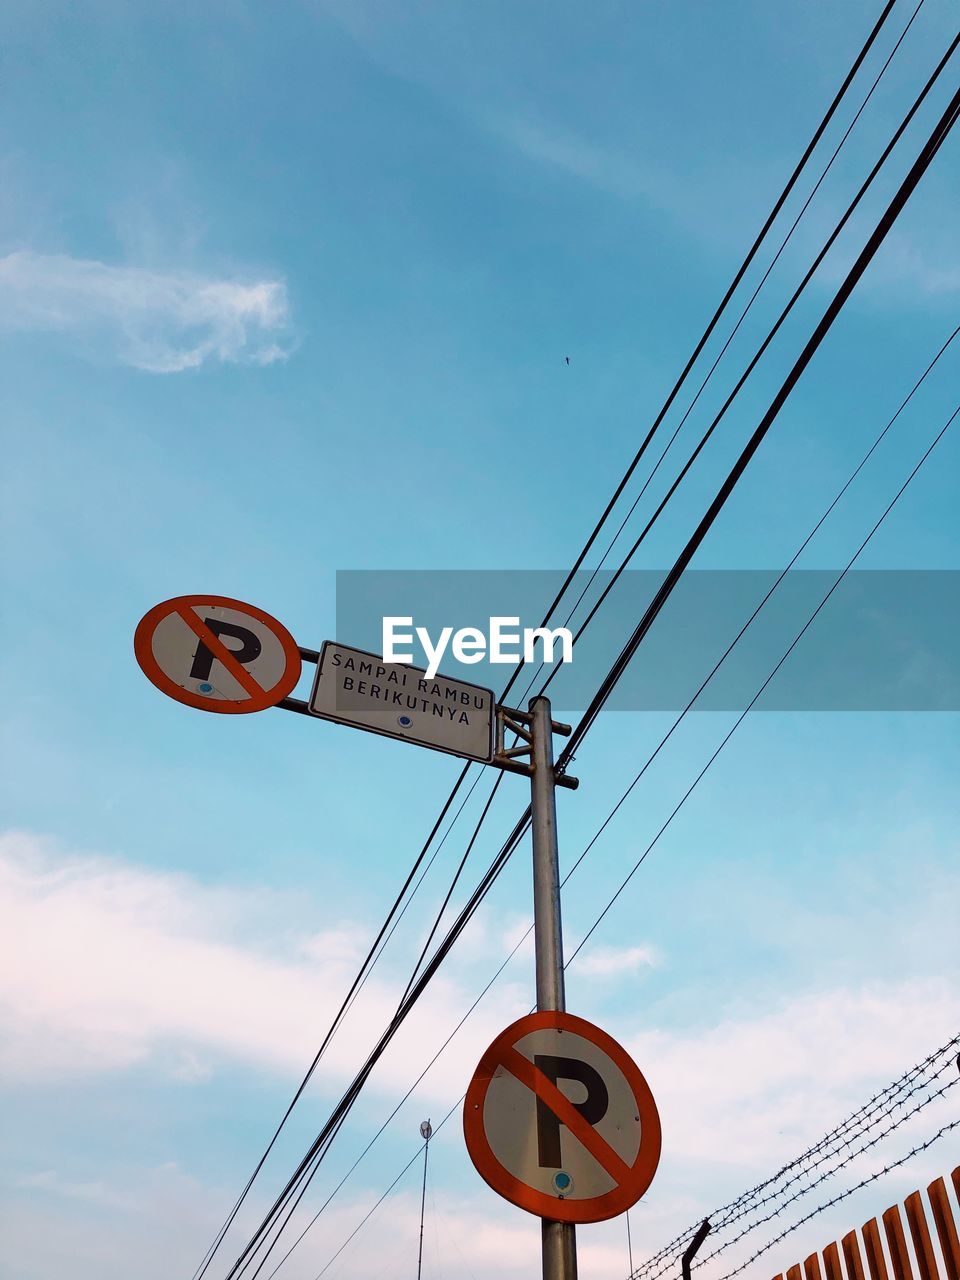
(360, 689)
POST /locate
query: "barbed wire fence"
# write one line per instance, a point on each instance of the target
(861, 1131)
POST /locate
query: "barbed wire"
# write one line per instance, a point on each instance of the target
(843, 1195)
(847, 1159)
(848, 1143)
(849, 1130)
(855, 1121)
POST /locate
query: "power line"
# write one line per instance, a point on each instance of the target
(683, 713)
(805, 356)
(723, 350)
(864, 258)
(355, 987)
(343, 1106)
(298, 1185)
(717, 751)
(908, 185)
(383, 936)
(731, 290)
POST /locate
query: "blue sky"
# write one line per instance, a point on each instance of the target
(286, 290)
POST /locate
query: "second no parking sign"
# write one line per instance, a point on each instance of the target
(559, 1120)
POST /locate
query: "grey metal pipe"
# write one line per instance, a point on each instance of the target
(559, 1238)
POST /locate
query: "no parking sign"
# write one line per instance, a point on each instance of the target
(583, 1153)
(217, 654)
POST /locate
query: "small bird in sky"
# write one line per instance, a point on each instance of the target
(567, 358)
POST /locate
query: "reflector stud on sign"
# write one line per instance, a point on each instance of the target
(217, 654)
(559, 1120)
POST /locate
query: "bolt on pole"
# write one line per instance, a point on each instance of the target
(559, 1238)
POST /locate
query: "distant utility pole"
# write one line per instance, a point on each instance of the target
(426, 1132)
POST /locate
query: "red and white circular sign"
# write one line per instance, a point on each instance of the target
(217, 654)
(559, 1120)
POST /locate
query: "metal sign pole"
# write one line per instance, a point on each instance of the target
(559, 1238)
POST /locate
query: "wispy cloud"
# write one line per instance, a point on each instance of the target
(161, 322)
(616, 962)
(120, 966)
(927, 267)
(611, 170)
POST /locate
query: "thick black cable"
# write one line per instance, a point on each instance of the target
(762, 603)
(355, 986)
(503, 964)
(453, 884)
(743, 715)
(733, 333)
(579, 562)
(297, 1191)
(851, 208)
(887, 220)
(689, 705)
(343, 1106)
(708, 331)
(864, 258)
(717, 751)
(423, 874)
(371, 958)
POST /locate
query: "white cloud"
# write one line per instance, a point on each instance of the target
(754, 1088)
(610, 170)
(51, 1183)
(616, 962)
(110, 966)
(161, 322)
(911, 265)
(120, 967)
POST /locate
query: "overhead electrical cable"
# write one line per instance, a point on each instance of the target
(380, 942)
(909, 184)
(851, 208)
(355, 986)
(733, 333)
(721, 307)
(808, 623)
(743, 715)
(297, 1188)
(663, 741)
(408, 1003)
(887, 220)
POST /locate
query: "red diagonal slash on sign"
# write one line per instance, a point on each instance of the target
(221, 653)
(566, 1112)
